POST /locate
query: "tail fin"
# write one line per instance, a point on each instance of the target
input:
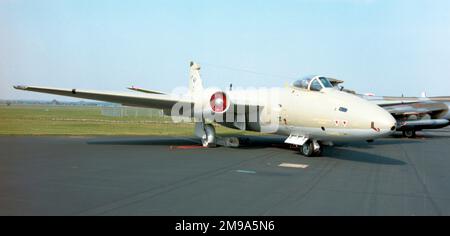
(195, 82)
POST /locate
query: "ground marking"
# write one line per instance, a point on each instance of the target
(292, 165)
(246, 171)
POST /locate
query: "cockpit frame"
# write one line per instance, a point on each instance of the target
(313, 83)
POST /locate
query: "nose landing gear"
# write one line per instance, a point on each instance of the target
(308, 147)
(311, 148)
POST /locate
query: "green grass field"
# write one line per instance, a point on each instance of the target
(86, 121)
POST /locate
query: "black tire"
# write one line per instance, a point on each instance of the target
(409, 133)
(307, 149)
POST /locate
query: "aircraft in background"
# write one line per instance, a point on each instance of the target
(412, 113)
(310, 113)
(415, 113)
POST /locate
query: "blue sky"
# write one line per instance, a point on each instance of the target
(386, 47)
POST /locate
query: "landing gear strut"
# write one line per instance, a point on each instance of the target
(207, 134)
(310, 148)
(409, 133)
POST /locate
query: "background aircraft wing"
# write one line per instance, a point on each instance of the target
(147, 100)
(390, 101)
(418, 115)
(415, 108)
(386, 104)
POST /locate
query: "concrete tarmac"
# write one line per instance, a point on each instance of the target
(174, 176)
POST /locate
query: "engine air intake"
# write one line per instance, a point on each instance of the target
(218, 102)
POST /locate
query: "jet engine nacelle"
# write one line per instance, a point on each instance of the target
(212, 104)
(219, 102)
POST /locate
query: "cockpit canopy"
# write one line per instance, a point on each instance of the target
(313, 83)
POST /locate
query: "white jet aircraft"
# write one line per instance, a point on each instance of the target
(310, 112)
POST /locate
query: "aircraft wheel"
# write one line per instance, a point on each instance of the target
(209, 139)
(307, 149)
(409, 133)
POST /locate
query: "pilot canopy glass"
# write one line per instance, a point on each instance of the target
(314, 83)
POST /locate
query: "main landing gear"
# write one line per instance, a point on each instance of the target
(206, 133)
(209, 139)
(409, 133)
(209, 136)
(311, 148)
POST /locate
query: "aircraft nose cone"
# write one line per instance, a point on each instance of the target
(386, 123)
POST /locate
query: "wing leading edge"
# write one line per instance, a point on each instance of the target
(159, 101)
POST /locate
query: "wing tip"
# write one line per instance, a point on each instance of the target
(20, 87)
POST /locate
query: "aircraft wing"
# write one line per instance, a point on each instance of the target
(145, 90)
(147, 100)
(390, 101)
(431, 110)
(415, 108)
(393, 103)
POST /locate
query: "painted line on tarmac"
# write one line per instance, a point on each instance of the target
(246, 171)
(292, 165)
